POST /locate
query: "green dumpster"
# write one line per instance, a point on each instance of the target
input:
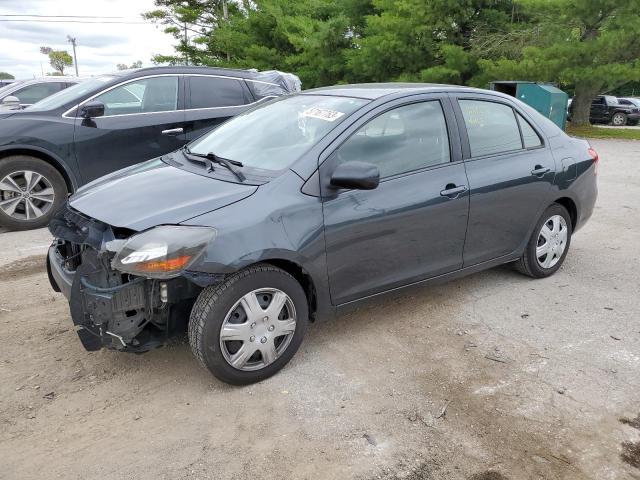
(546, 99)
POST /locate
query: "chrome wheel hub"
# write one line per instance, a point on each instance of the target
(552, 241)
(258, 329)
(25, 195)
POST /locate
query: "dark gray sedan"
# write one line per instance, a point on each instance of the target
(310, 204)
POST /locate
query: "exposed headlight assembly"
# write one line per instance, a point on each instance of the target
(163, 252)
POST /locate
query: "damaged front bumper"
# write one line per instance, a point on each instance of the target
(111, 309)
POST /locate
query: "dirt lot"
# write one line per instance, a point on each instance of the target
(492, 377)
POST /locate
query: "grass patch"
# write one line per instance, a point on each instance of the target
(597, 132)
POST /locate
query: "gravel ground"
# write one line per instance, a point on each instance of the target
(492, 377)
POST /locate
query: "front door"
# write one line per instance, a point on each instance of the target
(412, 226)
(143, 119)
(510, 171)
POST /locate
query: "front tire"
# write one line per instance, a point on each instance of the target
(549, 244)
(31, 190)
(249, 327)
(619, 119)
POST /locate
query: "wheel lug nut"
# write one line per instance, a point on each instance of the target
(271, 327)
(252, 338)
(263, 340)
(265, 319)
(253, 325)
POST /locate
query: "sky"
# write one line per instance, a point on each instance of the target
(100, 46)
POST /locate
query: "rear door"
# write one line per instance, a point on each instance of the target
(143, 119)
(211, 100)
(598, 112)
(412, 226)
(510, 171)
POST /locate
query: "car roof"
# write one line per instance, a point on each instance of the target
(373, 91)
(227, 72)
(53, 78)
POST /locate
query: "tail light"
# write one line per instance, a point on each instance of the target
(595, 157)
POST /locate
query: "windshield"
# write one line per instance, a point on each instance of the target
(275, 135)
(70, 94)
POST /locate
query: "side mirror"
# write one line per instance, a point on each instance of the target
(10, 101)
(356, 175)
(92, 109)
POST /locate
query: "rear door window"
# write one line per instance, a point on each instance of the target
(491, 127)
(212, 92)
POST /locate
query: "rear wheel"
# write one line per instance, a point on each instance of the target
(549, 244)
(619, 119)
(30, 191)
(247, 328)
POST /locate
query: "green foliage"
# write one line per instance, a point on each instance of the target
(124, 66)
(6, 76)
(586, 46)
(59, 59)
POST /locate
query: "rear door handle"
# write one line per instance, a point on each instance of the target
(172, 132)
(539, 171)
(452, 191)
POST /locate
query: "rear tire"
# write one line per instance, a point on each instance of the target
(242, 342)
(31, 190)
(547, 248)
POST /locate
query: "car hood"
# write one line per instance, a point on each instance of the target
(154, 193)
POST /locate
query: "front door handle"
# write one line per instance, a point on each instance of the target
(172, 132)
(452, 191)
(539, 171)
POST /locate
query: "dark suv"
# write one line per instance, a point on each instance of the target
(110, 122)
(607, 109)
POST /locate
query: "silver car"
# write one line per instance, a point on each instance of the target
(23, 93)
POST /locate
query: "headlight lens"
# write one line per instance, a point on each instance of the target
(163, 252)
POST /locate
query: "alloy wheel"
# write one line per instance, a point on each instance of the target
(258, 329)
(26, 195)
(552, 241)
(618, 119)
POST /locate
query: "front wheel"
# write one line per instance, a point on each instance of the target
(619, 119)
(247, 328)
(549, 244)
(31, 190)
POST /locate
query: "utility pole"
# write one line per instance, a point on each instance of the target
(225, 15)
(72, 41)
(186, 45)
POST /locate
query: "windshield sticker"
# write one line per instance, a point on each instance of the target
(322, 114)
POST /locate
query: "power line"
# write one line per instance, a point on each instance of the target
(53, 16)
(71, 21)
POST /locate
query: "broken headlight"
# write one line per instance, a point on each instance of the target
(162, 252)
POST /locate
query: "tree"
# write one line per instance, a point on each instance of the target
(6, 76)
(59, 59)
(590, 45)
(123, 66)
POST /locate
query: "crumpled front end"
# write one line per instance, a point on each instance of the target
(112, 309)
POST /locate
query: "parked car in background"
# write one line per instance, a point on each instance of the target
(23, 93)
(110, 122)
(311, 203)
(6, 82)
(607, 109)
